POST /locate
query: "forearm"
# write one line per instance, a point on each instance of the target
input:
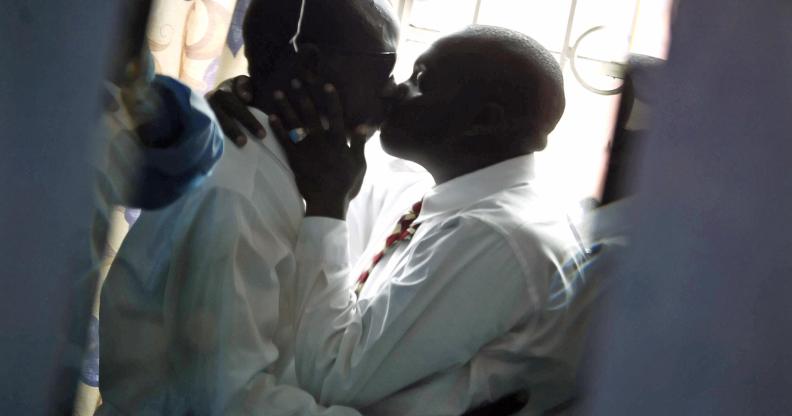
(322, 259)
(418, 325)
(344, 354)
(323, 293)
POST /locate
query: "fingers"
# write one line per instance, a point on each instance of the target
(233, 107)
(335, 115)
(357, 143)
(288, 117)
(281, 135)
(310, 117)
(230, 128)
(305, 118)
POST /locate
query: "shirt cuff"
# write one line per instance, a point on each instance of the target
(152, 177)
(324, 240)
(165, 127)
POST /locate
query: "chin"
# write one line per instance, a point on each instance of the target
(392, 139)
(387, 136)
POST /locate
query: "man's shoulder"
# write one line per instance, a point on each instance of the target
(246, 187)
(517, 210)
(535, 230)
(237, 170)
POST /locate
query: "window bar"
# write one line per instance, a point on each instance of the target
(634, 25)
(476, 13)
(405, 8)
(568, 35)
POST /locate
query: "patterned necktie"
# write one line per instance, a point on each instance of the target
(403, 231)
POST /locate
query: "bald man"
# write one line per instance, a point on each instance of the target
(465, 300)
(196, 310)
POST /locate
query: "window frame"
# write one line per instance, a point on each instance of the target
(566, 55)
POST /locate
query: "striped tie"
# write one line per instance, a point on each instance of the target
(403, 231)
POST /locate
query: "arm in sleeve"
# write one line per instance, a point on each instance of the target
(153, 164)
(457, 291)
(225, 315)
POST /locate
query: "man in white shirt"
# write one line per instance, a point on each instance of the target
(389, 182)
(196, 310)
(459, 310)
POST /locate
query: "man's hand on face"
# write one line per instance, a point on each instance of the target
(329, 170)
(230, 101)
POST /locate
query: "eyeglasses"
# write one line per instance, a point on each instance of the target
(343, 51)
(378, 62)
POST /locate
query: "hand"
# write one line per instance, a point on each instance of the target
(130, 67)
(230, 101)
(142, 103)
(129, 52)
(329, 172)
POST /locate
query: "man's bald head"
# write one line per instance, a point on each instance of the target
(512, 69)
(485, 93)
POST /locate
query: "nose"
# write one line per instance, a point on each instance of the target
(393, 94)
(390, 92)
(389, 96)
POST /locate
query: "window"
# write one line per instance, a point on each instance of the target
(590, 39)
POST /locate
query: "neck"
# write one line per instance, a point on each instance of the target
(455, 158)
(444, 170)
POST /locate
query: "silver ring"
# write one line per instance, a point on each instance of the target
(297, 135)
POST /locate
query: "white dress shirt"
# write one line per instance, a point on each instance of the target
(195, 315)
(390, 183)
(456, 317)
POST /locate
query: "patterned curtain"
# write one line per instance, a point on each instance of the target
(200, 43)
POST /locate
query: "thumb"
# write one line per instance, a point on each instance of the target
(357, 142)
(282, 137)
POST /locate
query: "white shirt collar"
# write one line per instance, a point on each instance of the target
(472, 187)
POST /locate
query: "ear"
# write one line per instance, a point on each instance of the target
(490, 119)
(309, 62)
